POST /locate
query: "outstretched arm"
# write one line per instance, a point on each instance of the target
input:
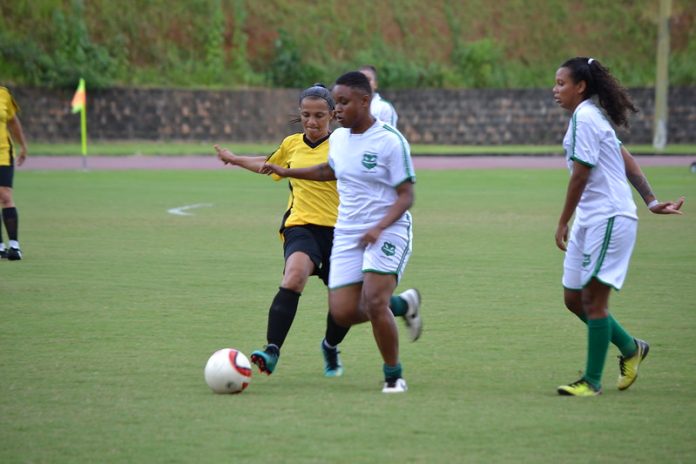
(321, 172)
(635, 176)
(251, 163)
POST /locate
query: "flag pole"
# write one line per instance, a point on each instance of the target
(83, 130)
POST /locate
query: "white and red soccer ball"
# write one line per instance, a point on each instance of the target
(228, 371)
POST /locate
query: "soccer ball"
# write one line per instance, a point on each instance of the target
(228, 371)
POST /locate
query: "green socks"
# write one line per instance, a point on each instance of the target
(398, 305)
(599, 334)
(619, 337)
(392, 372)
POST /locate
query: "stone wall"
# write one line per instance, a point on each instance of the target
(468, 117)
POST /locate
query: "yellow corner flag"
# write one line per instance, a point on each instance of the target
(79, 103)
(80, 97)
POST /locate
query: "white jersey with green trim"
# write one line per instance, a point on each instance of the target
(369, 167)
(383, 110)
(591, 141)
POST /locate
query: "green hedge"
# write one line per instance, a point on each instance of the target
(292, 43)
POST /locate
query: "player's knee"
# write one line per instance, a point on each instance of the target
(573, 302)
(375, 305)
(295, 280)
(6, 197)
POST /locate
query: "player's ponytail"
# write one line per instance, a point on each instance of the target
(612, 96)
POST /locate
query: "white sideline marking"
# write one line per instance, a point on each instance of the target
(182, 210)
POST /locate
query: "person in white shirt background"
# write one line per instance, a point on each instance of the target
(379, 107)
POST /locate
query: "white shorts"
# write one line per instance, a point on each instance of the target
(389, 255)
(601, 251)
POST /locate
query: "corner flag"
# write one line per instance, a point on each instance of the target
(79, 103)
(80, 97)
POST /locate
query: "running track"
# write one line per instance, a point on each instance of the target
(52, 163)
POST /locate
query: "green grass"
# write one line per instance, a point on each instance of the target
(106, 325)
(130, 148)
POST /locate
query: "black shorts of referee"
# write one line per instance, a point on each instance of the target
(315, 242)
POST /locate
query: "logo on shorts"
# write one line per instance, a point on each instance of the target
(388, 249)
(369, 160)
(586, 260)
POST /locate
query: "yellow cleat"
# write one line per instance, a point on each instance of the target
(628, 367)
(580, 388)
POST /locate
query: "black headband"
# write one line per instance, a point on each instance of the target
(318, 91)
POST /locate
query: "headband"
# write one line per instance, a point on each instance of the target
(589, 62)
(318, 91)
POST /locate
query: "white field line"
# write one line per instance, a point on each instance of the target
(183, 210)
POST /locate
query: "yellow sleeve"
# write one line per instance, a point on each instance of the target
(281, 157)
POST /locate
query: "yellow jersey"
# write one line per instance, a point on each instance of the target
(8, 109)
(310, 202)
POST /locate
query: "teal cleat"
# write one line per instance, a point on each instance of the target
(266, 360)
(332, 363)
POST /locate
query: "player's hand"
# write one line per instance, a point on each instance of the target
(371, 236)
(22, 156)
(562, 236)
(669, 207)
(269, 169)
(224, 155)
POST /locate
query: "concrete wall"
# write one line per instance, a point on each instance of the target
(470, 117)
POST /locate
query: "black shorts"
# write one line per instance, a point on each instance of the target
(315, 242)
(6, 175)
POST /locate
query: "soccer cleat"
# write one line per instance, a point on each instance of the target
(397, 385)
(628, 367)
(579, 388)
(332, 363)
(14, 254)
(3, 253)
(265, 360)
(412, 316)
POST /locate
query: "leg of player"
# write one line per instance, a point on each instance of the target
(633, 350)
(333, 336)
(11, 220)
(281, 314)
(595, 301)
(376, 293)
(3, 251)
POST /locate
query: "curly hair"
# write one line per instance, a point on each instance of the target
(612, 96)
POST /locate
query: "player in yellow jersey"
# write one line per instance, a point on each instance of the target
(11, 133)
(307, 232)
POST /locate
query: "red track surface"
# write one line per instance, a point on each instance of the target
(420, 162)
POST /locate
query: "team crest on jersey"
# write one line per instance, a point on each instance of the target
(388, 249)
(586, 260)
(369, 160)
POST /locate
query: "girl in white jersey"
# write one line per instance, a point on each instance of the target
(373, 235)
(605, 225)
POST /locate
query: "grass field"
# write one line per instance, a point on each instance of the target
(106, 325)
